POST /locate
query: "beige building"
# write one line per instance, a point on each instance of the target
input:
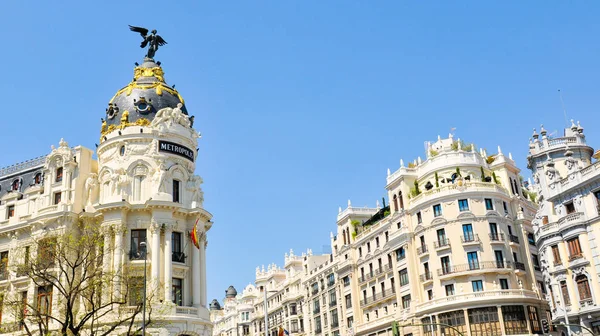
(567, 223)
(455, 247)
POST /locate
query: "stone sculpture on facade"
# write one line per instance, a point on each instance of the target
(91, 189)
(194, 186)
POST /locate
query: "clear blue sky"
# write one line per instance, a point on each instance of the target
(302, 104)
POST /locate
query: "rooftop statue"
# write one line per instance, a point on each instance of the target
(151, 40)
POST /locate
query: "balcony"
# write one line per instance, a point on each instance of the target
(318, 331)
(442, 243)
(316, 310)
(426, 277)
(378, 297)
(315, 290)
(422, 250)
(366, 277)
(470, 239)
(519, 266)
(330, 283)
(497, 238)
(335, 325)
(513, 239)
(485, 297)
(332, 303)
(479, 266)
(178, 257)
(453, 189)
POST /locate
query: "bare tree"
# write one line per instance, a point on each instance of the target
(90, 299)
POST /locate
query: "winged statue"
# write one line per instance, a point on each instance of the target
(151, 40)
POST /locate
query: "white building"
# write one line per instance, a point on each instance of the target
(142, 188)
(567, 224)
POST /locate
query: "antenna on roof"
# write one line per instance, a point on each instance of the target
(563, 107)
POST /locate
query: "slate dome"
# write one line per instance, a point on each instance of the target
(143, 97)
(214, 305)
(230, 292)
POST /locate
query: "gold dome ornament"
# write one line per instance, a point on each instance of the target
(124, 119)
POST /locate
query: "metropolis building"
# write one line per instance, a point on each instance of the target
(567, 224)
(139, 187)
(453, 251)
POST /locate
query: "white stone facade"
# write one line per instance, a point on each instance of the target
(136, 191)
(567, 224)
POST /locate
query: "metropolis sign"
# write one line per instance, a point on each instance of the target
(173, 148)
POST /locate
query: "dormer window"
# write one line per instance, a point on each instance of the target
(59, 174)
(15, 185)
(37, 179)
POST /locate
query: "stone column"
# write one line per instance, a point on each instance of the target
(155, 254)
(501, 319)
(467, 323)
(118, 230)
(168, 264)
(195, 276)
(203, 245)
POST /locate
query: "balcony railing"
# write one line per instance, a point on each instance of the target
(335, 324)
(473, 266)
(332, 303)
(378, 297)
(318, 331)
(441, 243)
(315, 290)
(470, 238)
(519, 266)
(316, 310)
(497, 237)
(330, 283)
(514, 239)
(178, 257)
(422, 249)
(426, 276)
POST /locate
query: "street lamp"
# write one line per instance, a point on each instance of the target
(267, 311)
(144, 251)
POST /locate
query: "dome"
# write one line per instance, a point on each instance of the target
(138, 102)
(230, 293)
(214, 305)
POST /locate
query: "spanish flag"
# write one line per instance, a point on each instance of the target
(280, 333)
(194, 235)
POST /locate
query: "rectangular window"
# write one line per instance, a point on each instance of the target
(136, 291)
(387, 236)
(556, 255)
(574, 248)
(565, 293)
(536, 262)
(57, 197)
(330, 279)
(44, 301)
(177, 255)
(346, 281)
(570, 207)
(178, 291)
(505, 207)
(531, 238)
(503, 283)
(489, 205)
(419, 218)
(332, 298)
(468, 235)
(437, 210)
(403, 277)
(441, 237)
(400, 254)
(463, 205)
(348, 301)
(376, 241)
(46, 251)
(59, 174)
(360, 251)
(176, 191)
(430, 294)
(450, 290)
(137, 238)
(10, 211)
(473, 260)
(534, 320)
(514, 320)
(445, 261)
(477, 285)
(4, 265)
(368, 247)
(406, 301)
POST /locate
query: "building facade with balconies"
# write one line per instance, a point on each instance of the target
(455, 247)
(567, 224)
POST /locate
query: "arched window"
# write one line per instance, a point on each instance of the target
(401, 200)
(395, 203)
(59, 174)
(15, 185)
(583, 287)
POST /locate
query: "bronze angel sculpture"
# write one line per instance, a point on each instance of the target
(151, 40)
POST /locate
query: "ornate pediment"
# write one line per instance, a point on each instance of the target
(466, 215)
(492, 213)
(438, 221)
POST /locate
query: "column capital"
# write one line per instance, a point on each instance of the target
(154, 227)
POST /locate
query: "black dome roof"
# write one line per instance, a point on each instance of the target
(214, 305)
(143, 97)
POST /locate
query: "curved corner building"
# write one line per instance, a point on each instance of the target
(455, 248)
